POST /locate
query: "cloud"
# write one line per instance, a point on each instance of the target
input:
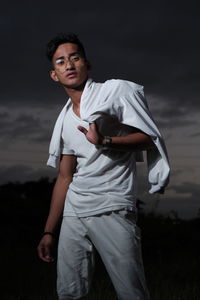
(188, 188)
(23, 173)
(170, 115)
(197, 134)
(181, 198)
(24, 125)
(153, 44)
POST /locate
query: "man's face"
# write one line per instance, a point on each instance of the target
(69, 67)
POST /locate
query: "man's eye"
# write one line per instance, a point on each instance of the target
(60, 62)
(75, 58)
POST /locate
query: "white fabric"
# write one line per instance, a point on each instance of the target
(125, 100)
(117, 239)
(103, 180)
(55, 144)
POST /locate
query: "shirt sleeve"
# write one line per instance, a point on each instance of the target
(65, 148)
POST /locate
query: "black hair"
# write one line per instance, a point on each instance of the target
(63, 38)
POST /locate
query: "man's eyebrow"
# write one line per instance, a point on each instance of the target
(73, 53)
(70, 54)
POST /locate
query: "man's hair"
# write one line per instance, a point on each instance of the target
(63, 38)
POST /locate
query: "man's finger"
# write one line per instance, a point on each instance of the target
(82, 129)
(93, 126)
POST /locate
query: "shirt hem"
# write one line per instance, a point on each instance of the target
(99, 211)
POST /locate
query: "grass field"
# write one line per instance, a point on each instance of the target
(171, 252)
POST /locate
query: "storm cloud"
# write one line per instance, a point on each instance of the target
(154, 44)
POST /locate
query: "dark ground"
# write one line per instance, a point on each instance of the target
(171, 250)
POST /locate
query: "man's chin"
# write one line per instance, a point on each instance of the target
(74, 83)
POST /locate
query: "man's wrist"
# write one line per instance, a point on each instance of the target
(48, 233)
(106, 142)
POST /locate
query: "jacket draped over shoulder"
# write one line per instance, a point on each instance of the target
(126, 101)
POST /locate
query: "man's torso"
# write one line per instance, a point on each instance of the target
(104, 179)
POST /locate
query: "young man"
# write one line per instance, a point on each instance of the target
(97, 140)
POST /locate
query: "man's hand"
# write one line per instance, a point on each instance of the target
(92, 135)
(45, 248)
(136, 141)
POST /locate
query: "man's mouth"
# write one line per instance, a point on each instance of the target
(71, 75)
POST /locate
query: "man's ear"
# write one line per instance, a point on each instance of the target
(53, 75)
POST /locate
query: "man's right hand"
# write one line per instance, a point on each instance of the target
(45, 248)
(66, 170)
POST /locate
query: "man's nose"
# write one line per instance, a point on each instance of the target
(69, 65)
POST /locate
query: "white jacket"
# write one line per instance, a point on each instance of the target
(125, 100)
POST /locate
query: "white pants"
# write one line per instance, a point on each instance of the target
(117, 239)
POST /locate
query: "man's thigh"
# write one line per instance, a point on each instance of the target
(75, 260)
(117, 239)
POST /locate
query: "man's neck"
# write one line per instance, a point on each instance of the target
(75, 93)
(75, 96)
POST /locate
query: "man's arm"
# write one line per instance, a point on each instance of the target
(136, 141)
(66, 171)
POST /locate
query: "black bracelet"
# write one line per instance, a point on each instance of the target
(108, 140)
(49, 233)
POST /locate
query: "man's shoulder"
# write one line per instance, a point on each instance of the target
(122, 86)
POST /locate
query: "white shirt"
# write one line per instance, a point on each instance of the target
(104, 179)
(125, 100)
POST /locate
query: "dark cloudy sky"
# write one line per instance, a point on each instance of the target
(153, 43)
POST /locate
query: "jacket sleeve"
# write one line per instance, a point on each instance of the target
(134, 112)
(129, 105)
